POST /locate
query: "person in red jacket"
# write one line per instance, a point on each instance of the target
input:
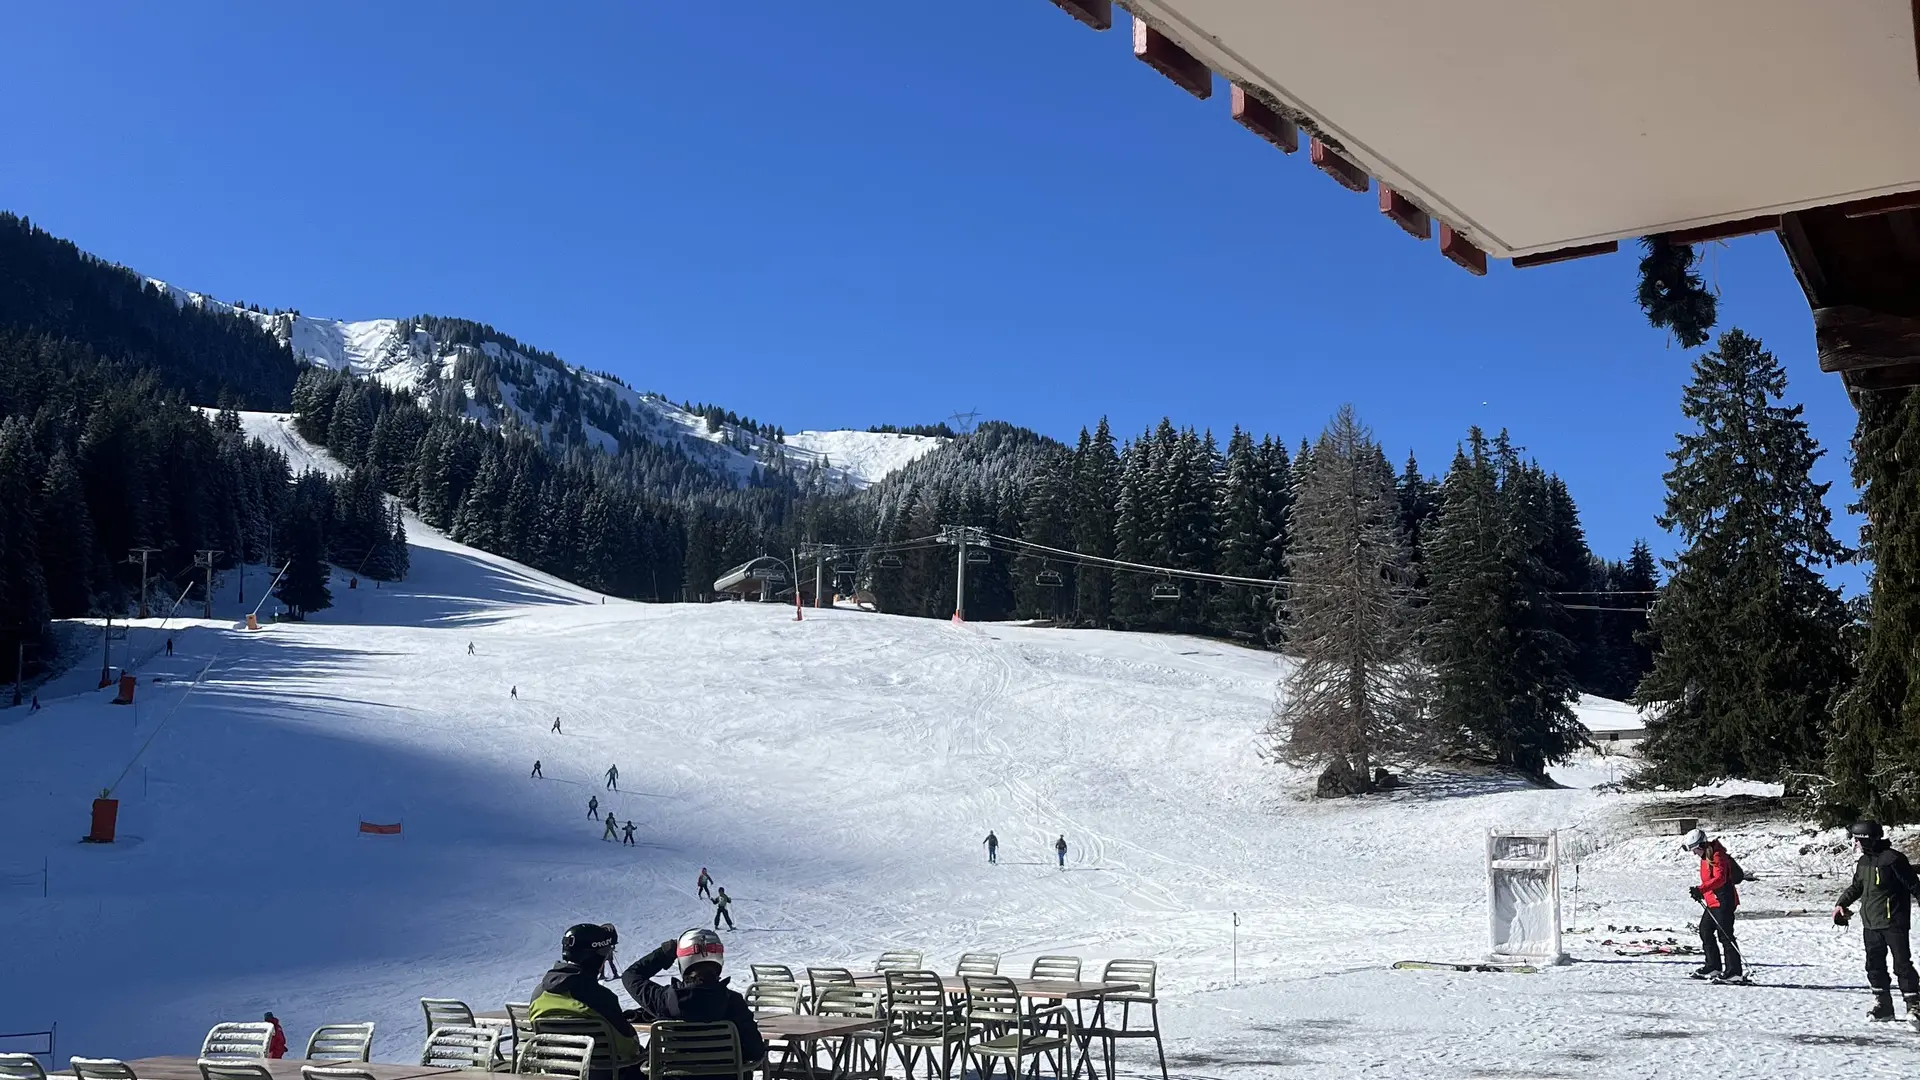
(1720, 902)
(277, 1042)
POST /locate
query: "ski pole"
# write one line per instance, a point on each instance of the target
(1726, 935)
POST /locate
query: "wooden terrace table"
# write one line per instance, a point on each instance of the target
(187, 1067)
(800, 1035)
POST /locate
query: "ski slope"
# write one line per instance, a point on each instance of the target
(837, 774)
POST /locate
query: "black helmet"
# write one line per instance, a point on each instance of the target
(1866, 830)
(584, 941)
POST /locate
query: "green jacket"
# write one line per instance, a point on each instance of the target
(570, 991)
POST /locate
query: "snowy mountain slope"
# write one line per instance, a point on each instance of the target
(837, 775)
(491, 378)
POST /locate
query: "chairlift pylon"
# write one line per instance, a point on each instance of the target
(1166, 590)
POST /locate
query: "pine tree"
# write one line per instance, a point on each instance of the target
(1750, 634)
(1096, 466)
(1245, 532)
(1132, 531)
(1044, 520)
(1419, 505)
(1353, 696)
(66, 539)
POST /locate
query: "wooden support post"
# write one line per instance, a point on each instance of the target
(1095, 13)
(1404, 214)
(1164, 55)
(1851, 339)
(1260, 118)
(1726, 230)
(1335, 164)
(1464, 252)
(1521, 262)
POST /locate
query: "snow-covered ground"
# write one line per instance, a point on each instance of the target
(837, 775)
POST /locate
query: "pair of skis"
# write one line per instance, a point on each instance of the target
(1433, 965)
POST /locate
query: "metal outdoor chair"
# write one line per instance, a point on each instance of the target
(25, 1067)
(772, 973)
(446, 1012)
(99, 1068)
(978, 963)
(773, 998)
(333, 1072)
(233, 1041)
(683, 1048)
(519, 1028)
(922, 1026)
(556, 1055)
(340, 1042)
(821, 979)
(233, 1069)
(862, 1056)
(606, 1062)
(461, 1048)
(898, 960)
(997, 1030)
(1109, 1032)
(1057, 968)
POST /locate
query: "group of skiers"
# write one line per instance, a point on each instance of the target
(704, 887)
(1884, 885)
(993, 849)
(625, 837)
(572, 989)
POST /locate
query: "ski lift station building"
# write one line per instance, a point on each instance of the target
(1541, 132)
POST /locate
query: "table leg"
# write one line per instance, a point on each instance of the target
(1084, 1037)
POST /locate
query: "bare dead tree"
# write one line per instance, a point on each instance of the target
(1355, 695)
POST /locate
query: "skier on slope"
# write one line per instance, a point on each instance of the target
(571, 990)
(536, 769)
(720, 905)
(705, 884)
(611, 826)
(469, 648)
(993, 847)
(1720, 902)
(556, 726)
(699, 994)
(513, 692)
(626, 837)
(1884, 883)
(593, 807)
(169, 646)
(613, 778)
(1060, 850)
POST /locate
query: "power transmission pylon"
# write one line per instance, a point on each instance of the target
(142, 553)
(204, 557)
(964, 421)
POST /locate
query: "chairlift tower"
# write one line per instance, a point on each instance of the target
(962, 537)
(204, 558)
(141, 554)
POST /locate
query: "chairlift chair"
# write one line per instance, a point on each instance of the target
(890, 562)
(1166, 590)
(979, 555)
(1049, 578)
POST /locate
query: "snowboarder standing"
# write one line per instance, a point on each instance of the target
(556, 726)
(1720, 902)
(611, 826)
(1884, 883)
(705, 884)
(613, 778)
(720, 905)
(536, 770)
(593, 807)
(993, 847)
(626, 834)
(1060, 850)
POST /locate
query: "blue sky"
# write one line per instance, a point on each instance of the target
(832, 216)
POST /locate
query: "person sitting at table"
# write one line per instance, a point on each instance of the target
(699, 993)
(572, 990)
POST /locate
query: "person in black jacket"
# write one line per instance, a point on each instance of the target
(572, 990)
(1884, 884)
(699, 993)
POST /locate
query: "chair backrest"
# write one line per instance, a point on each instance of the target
(340, 1042)
(978, 963)
(992, 1002)
(241, 1041)
(24, 1067)
(231, 1069)
(898, 960)
(604, 1063)
(917, 1000)
(1057, 968)
(1133, 971)
(333, 1072)
(556, 1055)
(517, 1015)
(456, 1047)
(446, 1012)
(774, 997)
(852, 1002)
(100, 1068)
(683, 1048)
(772, 973)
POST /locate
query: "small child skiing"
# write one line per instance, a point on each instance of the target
(556, 726)
(1060, 850)
(613, 778)
(536, 771)
(469, 648)
(593, 807)
(993, 847)
(720, 905)
(626, 836)
(705, 884)
(513, 692)
(611, 826)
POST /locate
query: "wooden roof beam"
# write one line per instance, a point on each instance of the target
(1261, 119)
(1164, 55)
(1402, 212)
(1726, 230)
(1464, 252)
(1095, 13)
(1335, 164)
(1543, 258)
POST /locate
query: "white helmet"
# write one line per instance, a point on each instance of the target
(1694, 839)
(698, 946)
